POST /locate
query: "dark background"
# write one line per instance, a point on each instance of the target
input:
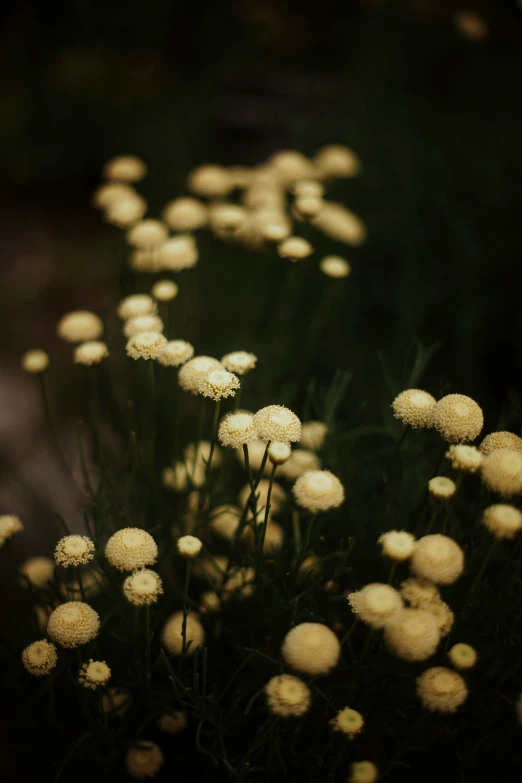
(434, 116)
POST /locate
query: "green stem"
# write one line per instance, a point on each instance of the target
(491, 550)
(434, 515)
(150, 427)
(201, 429)
(205, 496)
(449, 508)
(262, 534)
(297, 531)
(393, 569)
(50, 423)
(80, 582)
(248, 468)
(401, 440)
(237, 399)
(309, 533)
(147, 641)
(185, 608)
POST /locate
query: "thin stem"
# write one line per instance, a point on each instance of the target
(393, 569)
(449, 507)
(201, 428)
(297, 531)
(308, 534)
(237, 399)
(50, 423)
(80, 582)
(401, 440)
(205, 495)
(151, 403)
(265, 522)
(489, 554)
(147, 641)
(248, 467)
(185, 609)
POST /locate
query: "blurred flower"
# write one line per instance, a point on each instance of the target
(501, 472)
(185, 214)
(287, 696)
(311, 648)
(35, 362)
(438, 559)
(318, 490)
(376, 604)
(90, 352)
(144, 760)
(146, 345)
(412, 635)
(126, 168)
(441, 689)
(462, 656)
(79, 326)
(172, 638)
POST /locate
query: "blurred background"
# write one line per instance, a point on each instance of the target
(426, 93)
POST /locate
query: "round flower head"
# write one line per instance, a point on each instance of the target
(318, 490)
(144, 760)
(273, 226)
(240, 584)
(73, 624)
(147, 233)
(287, 696)
(277, 498)
(414, 407)
(313, 435)
(501, 472)
(376, 604)
(145, 260)
(142, 323)
(209, 180)
(441, 487)
(310, 188)
(335, 267)
(457, 418)
(308, 206)
(466, 458)
(237, 429)
(363, 772)
(311, 648)
(412, 635)
(441, 689)
(164, 290)
(194, 371)
(172, 638)
(126, 210)
(177, 253)
(172, 722)
(137, 304)
(290, 165)
(74, 550)
(175, 353)
(189, 547)
(275, 422)
(79, 326)
(224, 521)
(38, 570)
(209, 602)
(239, 362)
(35, 362)
(9, 526)
(94, 674)
(185, 214)
(218, 384)
(39, 658)
(130, 549)
(500, 440)
(443, 615)
(125, 168)
(91, 352)
(340, 224)
(146, 345)
(348, 722)
(279, 453)
(300, 461)
(397, 544)
(110, 193)
(462, 656)
(334, 161)
(295, 248)
(310, 565)
(418, 592)
(143, 587)
(438, 559)
(226, 218)
(502, 520)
